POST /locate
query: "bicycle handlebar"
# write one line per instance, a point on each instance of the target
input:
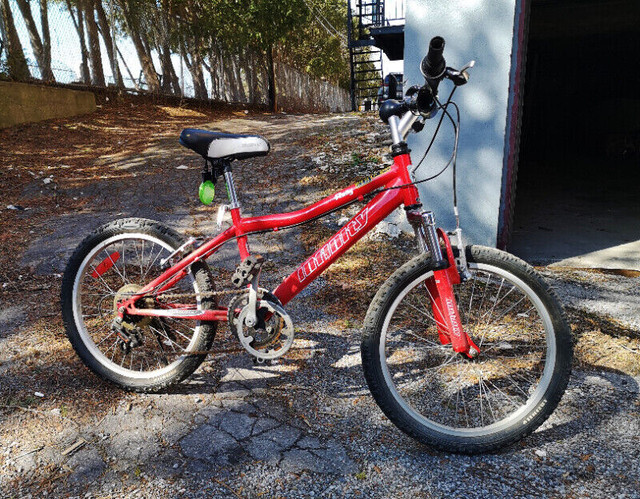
(422, 99)
(433, 65)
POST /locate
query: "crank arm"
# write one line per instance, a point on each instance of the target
(252, 318)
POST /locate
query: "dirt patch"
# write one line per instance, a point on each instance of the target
(605, 342)
(123, 161)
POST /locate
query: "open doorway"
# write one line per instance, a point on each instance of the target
(578, 187)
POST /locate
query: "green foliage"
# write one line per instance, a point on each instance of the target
(314, 46)
(301, 31)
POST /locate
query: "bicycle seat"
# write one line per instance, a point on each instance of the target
(219, 145)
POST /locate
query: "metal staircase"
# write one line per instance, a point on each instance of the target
(366, 75)
(370, 33)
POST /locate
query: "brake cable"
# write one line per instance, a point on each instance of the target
(452, 160)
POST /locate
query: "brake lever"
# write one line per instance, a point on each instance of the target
(469, 65)
(459, 76)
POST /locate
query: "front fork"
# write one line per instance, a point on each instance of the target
(447, 272)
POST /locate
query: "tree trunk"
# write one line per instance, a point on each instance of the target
(195, 68)
(16, 62)
(148, 69)
(95, 55)
(126, 67)
(105, 31)
(79, 25)
(230, 77)
(242, 96)
(271, 77)
(46, 37)
(170, 83)
(249, 73)
(216, 67)
(213, 74)
(3, 32)
(36, 41)
(254, 67)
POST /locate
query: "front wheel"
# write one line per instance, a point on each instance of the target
(446, 400)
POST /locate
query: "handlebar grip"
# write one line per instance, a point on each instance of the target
(433, 65)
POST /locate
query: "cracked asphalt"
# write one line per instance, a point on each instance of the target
(305, 426)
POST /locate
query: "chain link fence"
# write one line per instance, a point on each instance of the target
(91, 47)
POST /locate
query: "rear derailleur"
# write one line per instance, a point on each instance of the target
(130, 335)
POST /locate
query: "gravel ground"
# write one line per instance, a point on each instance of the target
(307, 426)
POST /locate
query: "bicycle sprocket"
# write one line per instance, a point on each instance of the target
(273, 334)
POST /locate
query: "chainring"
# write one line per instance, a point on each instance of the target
(272, 336)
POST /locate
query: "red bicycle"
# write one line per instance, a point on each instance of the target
(464, 348)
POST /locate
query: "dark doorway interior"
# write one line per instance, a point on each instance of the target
(579, 170)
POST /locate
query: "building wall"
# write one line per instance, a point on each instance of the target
(482, 31)
(26, 103)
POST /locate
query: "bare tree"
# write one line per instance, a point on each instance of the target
(133, 27)
(194, 64)
(95, 55)
(78, 22)
(39, 50)
(16, 62)
(105, 30)
(160, 33)
(46, 35)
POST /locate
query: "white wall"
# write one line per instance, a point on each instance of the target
(483, 31)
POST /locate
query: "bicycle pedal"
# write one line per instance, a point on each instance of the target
(247, 270)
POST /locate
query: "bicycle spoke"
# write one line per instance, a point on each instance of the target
(132, 261)
(142, 260)
(106, 286)
(152, 263)
(164, 335)
(114, 266)
(124, 265)
(439, 383)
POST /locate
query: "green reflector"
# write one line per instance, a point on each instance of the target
(206, 192)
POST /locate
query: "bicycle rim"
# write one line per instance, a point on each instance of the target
(453, 395)
(133, 260)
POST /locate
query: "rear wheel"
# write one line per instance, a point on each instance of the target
(445, 399)
(112, 263)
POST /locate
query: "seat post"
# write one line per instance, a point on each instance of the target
(231, 187)
(234, 207)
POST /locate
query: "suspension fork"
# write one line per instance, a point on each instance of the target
(440, 286)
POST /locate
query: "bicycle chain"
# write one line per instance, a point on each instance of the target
(206, 294)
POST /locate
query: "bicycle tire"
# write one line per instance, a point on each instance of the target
(82, 291)
(530, 343)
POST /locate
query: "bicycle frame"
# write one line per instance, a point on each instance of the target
(396, 178)
(396, 189)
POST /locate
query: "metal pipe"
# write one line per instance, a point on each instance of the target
(406, 123)
(231, 189)
(394, 122)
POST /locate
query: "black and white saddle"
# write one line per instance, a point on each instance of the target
(219, 145)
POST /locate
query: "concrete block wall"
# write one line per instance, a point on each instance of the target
(26, 103)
